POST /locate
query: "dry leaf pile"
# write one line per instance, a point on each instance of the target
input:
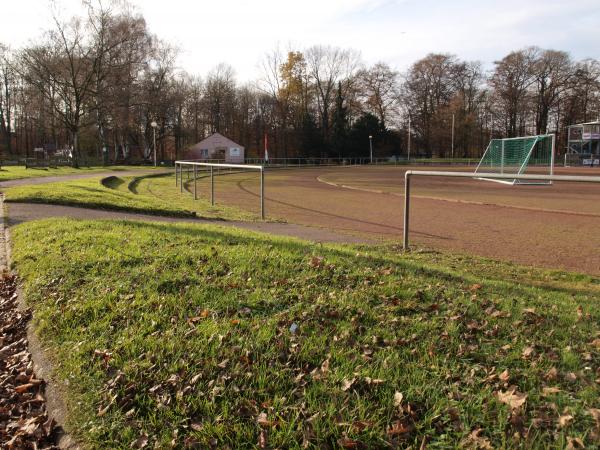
(24, 423)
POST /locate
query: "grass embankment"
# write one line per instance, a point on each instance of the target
(209, 337)
(20, 172)
(163, 189)
(153, 194)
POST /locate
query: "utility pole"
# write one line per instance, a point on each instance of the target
(408, 157)
(452, 135)
(154, 125)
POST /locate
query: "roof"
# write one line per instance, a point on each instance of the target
(216, 140)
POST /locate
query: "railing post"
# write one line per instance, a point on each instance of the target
(195, 182)
(180, 177)
(406, 208)
(262, 193)
(212, 186)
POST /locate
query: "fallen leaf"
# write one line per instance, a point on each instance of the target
(552, 374)
(223, 363)
(565, 420)
(263, 421)
(574, 443)
(348, 443)
(474, 440)
(262, 439)
(595, 413)
(104, 410)
(570, 376)
(400, 427)
(512, 398)
(140, 442)
(361, 425)
(316, 261)
(374, 381)
(550, 390)
(347, 383)
(24, 388)
(527, 352)
(504, 376)
(398, 397)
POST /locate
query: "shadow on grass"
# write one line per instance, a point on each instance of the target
(133, 184)
(525, 288)
(112, 182)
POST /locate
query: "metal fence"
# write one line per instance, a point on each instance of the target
(433, 173)
(192, 173)
(582, 159)
(356, 161)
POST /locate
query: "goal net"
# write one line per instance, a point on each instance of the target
(519, 156)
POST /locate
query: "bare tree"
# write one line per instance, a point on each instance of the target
(64, 69)
(379, 91)
(427, 92)
(219, 94)
(510, 82)
(329, 66)
(7, 87)
(554, 72)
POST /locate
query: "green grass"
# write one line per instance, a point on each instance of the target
(20, 172)
(210, 337)
(162, 188)
(153, 194)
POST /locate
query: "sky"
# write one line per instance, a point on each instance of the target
(397, 32)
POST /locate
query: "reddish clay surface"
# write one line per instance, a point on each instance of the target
(549, 226)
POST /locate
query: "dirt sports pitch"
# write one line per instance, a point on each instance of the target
(554, 226)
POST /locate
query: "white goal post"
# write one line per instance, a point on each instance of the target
(519, 156)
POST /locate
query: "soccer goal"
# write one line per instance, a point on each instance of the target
(519, 156)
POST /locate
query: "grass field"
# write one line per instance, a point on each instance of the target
(202, 336)
(146, 194)
(20, 172)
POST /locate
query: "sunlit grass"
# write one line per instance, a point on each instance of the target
(20, 172)
(155, 194)
(210, 337)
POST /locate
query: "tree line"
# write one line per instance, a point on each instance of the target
(96, 84)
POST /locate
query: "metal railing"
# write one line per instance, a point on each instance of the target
(356, 161)
(179, 165)
(434, 173)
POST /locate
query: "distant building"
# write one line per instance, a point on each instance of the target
(584, 138)
(216, 147)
